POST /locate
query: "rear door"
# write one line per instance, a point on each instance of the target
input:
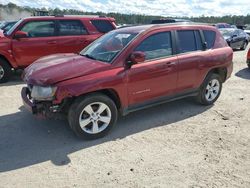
(73, 36)
(157, 76)
(190, 58)
(40, 42)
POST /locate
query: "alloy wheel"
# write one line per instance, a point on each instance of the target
(212, 90)
(95, 118)
(1, 72)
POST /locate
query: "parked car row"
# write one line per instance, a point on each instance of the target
(76, 70)
(35, 37)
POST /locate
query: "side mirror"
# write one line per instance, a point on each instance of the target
(137, 57)
(234, 36)
(20, 34)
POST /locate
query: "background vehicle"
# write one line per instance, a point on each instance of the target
(6, 27)
(248, 58)
(222, 25)
(127, 70)
(2, 23)
(236, 38)
(247, 29)
(168, 20)
(34, 37)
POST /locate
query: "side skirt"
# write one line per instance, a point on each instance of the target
(158, 101)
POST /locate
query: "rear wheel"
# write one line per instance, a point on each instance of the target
(5, 71)
(210, 90)
(92, 116)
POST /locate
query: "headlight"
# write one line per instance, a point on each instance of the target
(43, 93)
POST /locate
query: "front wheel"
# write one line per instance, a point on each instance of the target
(210, 90)
(92, 116)
(5, 71)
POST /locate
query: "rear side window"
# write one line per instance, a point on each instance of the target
(39, 28)
(209, 38)
(187, 41)
(156, 46)
(71, 27)
(198, 40)
(102, 26)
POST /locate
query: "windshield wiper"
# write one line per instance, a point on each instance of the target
(88, 56)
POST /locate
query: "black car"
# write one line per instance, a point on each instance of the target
(236, 38)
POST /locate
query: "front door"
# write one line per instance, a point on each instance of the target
(157, 76)
(40, 42)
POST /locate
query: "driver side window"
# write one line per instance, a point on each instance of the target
(39, 28)
(156, 46)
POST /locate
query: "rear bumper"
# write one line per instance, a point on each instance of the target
(25, 93)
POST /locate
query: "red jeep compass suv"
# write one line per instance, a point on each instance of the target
(34, 37)
(126, 70)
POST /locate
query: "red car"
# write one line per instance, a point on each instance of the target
(34, 37)
(248, 58)
(126, 70)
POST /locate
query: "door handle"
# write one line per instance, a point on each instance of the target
(51, 42)
(170, 64)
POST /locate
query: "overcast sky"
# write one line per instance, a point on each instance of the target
(148, 7)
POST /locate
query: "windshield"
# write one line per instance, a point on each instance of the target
(9, 32)
(108, 46)
(227, 32)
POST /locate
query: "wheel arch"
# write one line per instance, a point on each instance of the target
(5, 59)
(109, 92)
(221, 71)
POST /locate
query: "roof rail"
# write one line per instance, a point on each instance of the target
(95, 16)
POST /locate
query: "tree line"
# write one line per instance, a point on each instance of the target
(129, 18)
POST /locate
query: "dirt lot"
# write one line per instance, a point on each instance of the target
(179, 144)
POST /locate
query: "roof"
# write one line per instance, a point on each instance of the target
(67, 17)
(141, 28)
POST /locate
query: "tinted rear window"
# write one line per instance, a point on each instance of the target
(71, 27)
(187, 41)
(198, 40)
(209, 38)
(102, 26)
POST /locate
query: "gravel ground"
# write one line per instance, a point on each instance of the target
(178, 144)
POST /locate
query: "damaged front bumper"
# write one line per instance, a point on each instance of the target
(39, 108)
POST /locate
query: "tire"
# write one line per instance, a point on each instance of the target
(244, 46)
(85, 109)
(5, 71)
(210, 89)
(248, 66)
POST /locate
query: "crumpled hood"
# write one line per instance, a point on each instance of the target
(55, 68)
